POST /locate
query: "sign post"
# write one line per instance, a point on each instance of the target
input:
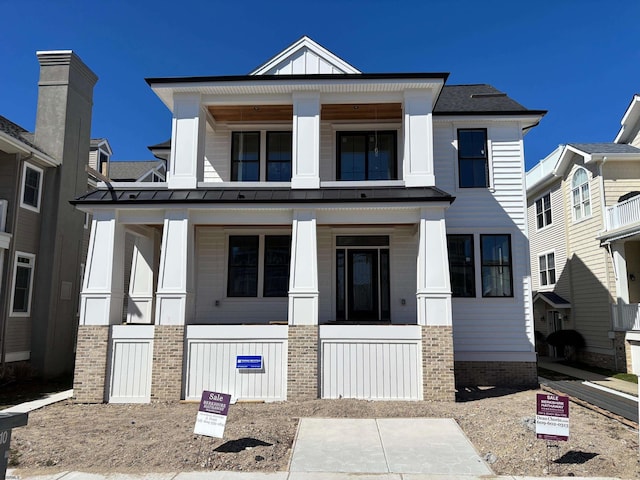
(212, 414)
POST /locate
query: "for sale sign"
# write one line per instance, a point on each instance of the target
(552, 417)
(212, 414)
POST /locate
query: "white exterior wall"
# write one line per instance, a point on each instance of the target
(217, 155)
(489, 329)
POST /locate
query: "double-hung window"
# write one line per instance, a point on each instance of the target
(366, 155)
(254, 153)
(255, 257)
(31, 187)
(580, 195)
(461, 265)
(22, 284)
(495, 251)
(547, 264)
(473, 162)
(543, 211)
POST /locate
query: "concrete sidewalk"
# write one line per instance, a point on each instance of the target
(606, 382)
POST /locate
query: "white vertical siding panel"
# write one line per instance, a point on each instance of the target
(326, 152)
(326, 282)
(367, 365)
(403, 254)
(130, 365)
(217, 155)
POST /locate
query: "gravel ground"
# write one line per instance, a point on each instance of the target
(159, 437)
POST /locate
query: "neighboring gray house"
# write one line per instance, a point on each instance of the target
(140, 171)
(40, 232)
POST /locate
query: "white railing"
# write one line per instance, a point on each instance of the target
(626, 316)
(624, 213)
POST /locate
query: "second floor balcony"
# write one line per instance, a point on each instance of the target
(624, 214)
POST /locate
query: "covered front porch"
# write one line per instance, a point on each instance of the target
(328, 296)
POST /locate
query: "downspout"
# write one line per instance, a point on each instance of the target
(7, 273)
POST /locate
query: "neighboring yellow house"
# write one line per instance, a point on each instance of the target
(583, 209)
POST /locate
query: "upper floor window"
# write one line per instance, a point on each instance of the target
(366, 155)
(547, 264)
(580, 195)
(473, 161)
(31, 187)
(497, 278)
(461, 265)
(22, 284)
(543, 211)
(249, 159)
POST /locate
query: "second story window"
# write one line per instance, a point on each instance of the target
(366, 155)
(261, 156)
(543, 211)
(473, 161)
(31, 187)
(547, 264)
(580, 195)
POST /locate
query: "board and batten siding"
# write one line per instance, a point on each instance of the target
(304, 62)
(500, 327)
(550, 238)
(590, 296)
(217, 155)
(130, 363)
(211, 361)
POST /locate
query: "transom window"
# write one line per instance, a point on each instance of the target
(249, 160)
(543, 211)
(547, 264)
(255, 257)
(580, 195)
(31, 187)
(461, 265)
(473, 162)
(366, 155)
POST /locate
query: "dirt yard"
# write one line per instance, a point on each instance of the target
(258, 437)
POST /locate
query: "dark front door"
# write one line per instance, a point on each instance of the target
(363, 284)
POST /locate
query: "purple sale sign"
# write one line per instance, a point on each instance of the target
(212, 414)
(552, 417)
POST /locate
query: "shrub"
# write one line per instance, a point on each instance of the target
(561, 339)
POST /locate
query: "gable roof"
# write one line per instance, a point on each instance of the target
(553, 299)
(132, 171)
(605, 148)
(306, 57)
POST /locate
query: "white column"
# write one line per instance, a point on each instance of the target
(434, 285)
(622, 276)
(303, 277)
(418, 139)
(174, 297)
(186, 164)
(141, 282)
(306, 141)
(103, 284)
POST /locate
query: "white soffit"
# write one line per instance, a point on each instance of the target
(304, 57)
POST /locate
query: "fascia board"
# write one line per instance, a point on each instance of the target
(485, 117)
(23, 148)
(565, 159)
(630, 117)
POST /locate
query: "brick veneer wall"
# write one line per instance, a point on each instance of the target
(92, 350)
(168, 350)
(302, 374)
(437, 363)
(623, 352)
(496, 374)
(598, 360)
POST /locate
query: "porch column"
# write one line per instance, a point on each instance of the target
(302, 378)
(434, 307)
(174, 305)
(622, 276)
(143, 276)
(418, 146)
(100, 306)
(186, 164)
(306, 140)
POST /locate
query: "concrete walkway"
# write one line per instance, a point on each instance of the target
(595, 378)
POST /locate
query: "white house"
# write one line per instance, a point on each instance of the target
(308, 221)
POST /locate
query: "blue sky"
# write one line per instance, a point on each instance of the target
(580, 60)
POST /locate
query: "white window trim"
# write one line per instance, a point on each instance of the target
(548, 285)
(32, 264)
(456, 163)
(24, 177)
(535, 209)
(572, 188)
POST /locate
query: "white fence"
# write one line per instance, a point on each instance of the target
(626, 316)
(624, 213)
(211, 361)
(380, 362)
(130, 364)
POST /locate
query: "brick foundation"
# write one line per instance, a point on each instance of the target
(599, 360)
(437, 364)
(89, 379)
(623, 353)
(302, 375)
(166, 377)
(496, 374)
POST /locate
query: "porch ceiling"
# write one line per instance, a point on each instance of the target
(273, 113)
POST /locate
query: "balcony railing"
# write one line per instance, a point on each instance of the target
(626, 316)
(624, 213)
